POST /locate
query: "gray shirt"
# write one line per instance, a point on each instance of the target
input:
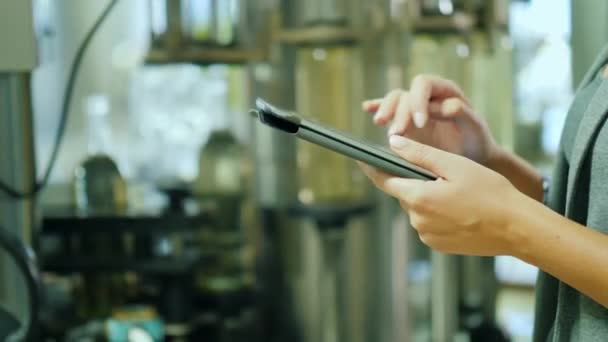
(579, 191)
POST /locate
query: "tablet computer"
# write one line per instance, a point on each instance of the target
(340, 142)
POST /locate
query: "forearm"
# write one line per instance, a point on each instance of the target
(570, 252)
(519, 172)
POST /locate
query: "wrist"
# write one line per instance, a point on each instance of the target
(518, 235)
(519, 172)
(497, 158)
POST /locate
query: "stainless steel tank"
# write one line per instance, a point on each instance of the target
(328, 291)
(335, 280)
(329, 87)
(466, 60)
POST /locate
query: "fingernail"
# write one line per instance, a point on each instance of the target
(397, 141)
(419, 119)
(376, 116)
(392, 131)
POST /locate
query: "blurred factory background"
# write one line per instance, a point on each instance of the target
(169, 215)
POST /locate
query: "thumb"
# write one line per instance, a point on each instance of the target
(427, 157)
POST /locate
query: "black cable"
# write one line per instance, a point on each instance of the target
(65, 108)
(26, 263)
(16, 194)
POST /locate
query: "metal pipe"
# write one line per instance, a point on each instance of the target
(331, 318)
(472, 282)
(174, 34)
(444, 297)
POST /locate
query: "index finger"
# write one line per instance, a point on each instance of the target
(371, 106)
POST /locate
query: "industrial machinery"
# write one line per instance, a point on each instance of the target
(17, 172)
(10, 328)
(326, 258)
(337, 63)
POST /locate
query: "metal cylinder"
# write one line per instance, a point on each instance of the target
(329, 88)
(274, 150)
(330, 279)
(17, 170)
(331, 250)
(369, 272)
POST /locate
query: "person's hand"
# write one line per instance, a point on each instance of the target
(435, 112)
(466, 211)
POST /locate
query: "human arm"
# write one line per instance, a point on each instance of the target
(571, 252)
(473, 210)
(519, 172)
